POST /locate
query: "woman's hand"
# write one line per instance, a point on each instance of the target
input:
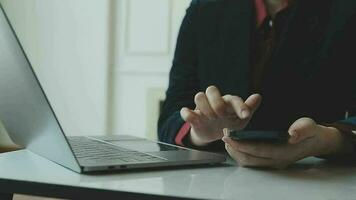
(307, 139)
(214, 112)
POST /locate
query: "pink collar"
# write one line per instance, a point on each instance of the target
(261, 10)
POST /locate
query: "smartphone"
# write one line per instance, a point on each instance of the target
(260, 136)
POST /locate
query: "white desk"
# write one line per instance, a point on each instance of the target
(26, 173)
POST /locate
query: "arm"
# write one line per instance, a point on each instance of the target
(346, 60)
(206, 113)
(183, 81)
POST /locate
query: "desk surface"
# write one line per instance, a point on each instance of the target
(309, 179)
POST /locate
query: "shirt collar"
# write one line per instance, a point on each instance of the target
(261, 10)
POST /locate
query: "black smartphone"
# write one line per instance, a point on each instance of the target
(260, 136)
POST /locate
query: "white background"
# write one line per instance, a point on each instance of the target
(104, 63)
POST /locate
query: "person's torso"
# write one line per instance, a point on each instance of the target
(303, 79)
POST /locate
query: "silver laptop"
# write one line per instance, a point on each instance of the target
(31, 122)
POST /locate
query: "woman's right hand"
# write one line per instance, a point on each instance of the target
(214, 112)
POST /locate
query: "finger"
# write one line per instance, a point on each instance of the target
(253, 102)
(238, 105)
(202, 117)
(246, 160)
(301, 130)
(226, 132)
(216, 101)
(189, 115)
(203, 105)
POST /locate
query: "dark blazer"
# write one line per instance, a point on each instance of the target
(313, 70)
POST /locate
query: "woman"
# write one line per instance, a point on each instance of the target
(298, 56)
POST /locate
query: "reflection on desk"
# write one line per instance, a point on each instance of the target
(145, 146)
(308, 179)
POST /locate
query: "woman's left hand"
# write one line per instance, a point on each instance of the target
(307, 139)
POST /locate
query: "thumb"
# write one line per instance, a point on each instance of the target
(301, 130)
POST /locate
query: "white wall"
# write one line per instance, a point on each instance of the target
(147, 35)
(92, 52)
(67, 43)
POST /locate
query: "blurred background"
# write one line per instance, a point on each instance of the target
(104, 64)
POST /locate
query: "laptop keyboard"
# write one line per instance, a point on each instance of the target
(101, 152)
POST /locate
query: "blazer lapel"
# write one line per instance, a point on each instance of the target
(302, 38)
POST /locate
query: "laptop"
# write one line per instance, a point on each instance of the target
(31, 122)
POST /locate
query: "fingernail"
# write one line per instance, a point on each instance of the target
(225, 139)
(293, 134)
(225, 131)
(245, 114)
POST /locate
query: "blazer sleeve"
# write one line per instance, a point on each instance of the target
(347, 63)
(183, 79)
(348, 59)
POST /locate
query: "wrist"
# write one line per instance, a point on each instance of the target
(332, 142)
